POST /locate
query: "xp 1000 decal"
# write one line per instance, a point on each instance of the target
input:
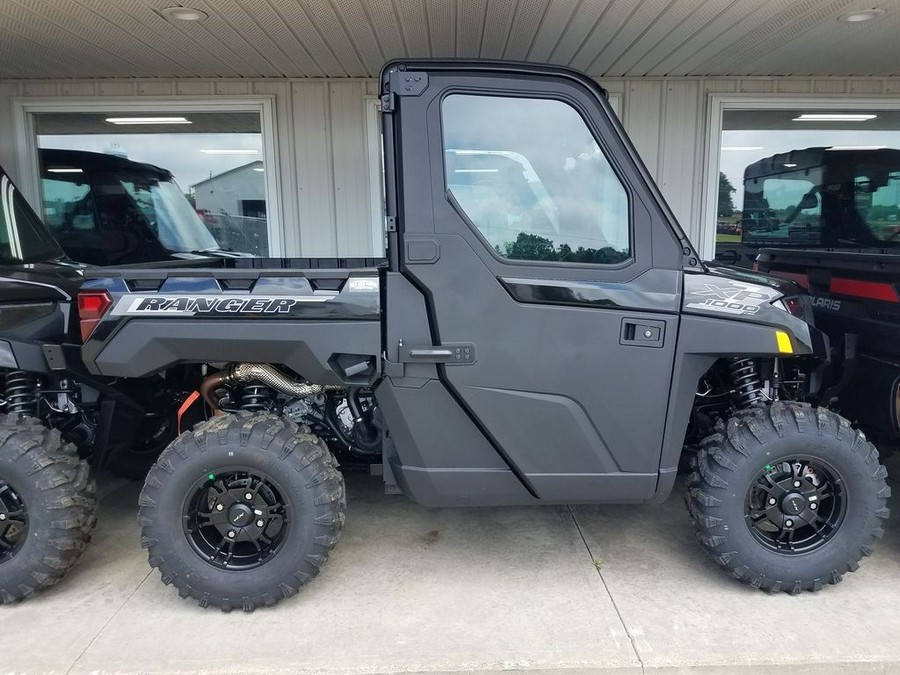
(726, 296)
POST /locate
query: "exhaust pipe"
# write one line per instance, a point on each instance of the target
(264, 374)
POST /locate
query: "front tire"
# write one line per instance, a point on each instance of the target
(47, 507)
(242, 510)
(788, 497)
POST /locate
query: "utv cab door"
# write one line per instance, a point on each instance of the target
(551, 279)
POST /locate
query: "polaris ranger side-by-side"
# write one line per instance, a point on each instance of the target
(829, 219)
(56, 418)
(541, 333)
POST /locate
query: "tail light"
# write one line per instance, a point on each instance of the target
(92, 305)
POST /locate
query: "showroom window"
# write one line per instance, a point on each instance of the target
(806, 177)
(531, 178)
(97, 191)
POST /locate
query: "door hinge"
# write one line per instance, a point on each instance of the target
(390, 224)
(403, 83)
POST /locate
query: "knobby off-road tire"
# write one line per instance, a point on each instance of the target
(242, 510)
(47, 507)
(751, 498)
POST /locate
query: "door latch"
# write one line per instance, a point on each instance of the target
(642, 333)
(450, 354)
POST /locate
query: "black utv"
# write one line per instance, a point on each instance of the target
(109, 210)
(542, 333)
(56, 418)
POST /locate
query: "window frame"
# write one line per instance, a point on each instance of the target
(718, 103)
(27, 152)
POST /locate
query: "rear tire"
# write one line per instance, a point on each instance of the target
(47, 507)
(259, 468)
(788, 497)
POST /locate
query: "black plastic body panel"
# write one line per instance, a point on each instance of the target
(296, 318)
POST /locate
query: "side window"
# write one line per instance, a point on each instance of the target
(68, 203)
(532, 179)
(23, 237)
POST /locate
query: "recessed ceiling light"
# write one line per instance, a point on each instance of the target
(230, 152)
(64, 170)
(790, 166)
(861, 15)
(259, 168)
(835, 117)
(148, 120)
(741, 148)
(183, 14)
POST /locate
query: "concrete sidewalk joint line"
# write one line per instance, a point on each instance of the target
(108, 621)
(587, 547)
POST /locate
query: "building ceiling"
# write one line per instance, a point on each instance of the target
(53, 39)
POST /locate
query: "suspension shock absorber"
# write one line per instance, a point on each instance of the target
(255, 397)
(745, 379)
(21, 393)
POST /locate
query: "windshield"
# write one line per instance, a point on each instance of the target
(23, 236)
(167, 211)
(848, 200)
(876, 194)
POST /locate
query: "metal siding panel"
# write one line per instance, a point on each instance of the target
(115, 88)
(193, 88)
(351, 170)
(232, 87)
(643, 117)
(314, 179)
(8, 91)
(866, 86)
(155, 88)
(681, 151)
(793, 86)
(80, 88)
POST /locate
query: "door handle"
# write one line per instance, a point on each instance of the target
(451, 354)
(642, 333)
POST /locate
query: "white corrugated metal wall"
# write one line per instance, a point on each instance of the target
(323, 173)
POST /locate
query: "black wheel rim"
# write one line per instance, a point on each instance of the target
(13, 521)
(236, 518)
(796, 505)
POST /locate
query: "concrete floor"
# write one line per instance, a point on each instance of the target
(413, 590)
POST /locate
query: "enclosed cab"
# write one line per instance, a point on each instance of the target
(108, 210)
(819, 198)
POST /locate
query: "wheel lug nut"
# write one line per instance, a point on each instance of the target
(773, 501)
(249, 495)
(813, 506)
(2, 516)
(231, 534)
(219, 507)
(796, 483)
(789, 523)
(260, 523)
